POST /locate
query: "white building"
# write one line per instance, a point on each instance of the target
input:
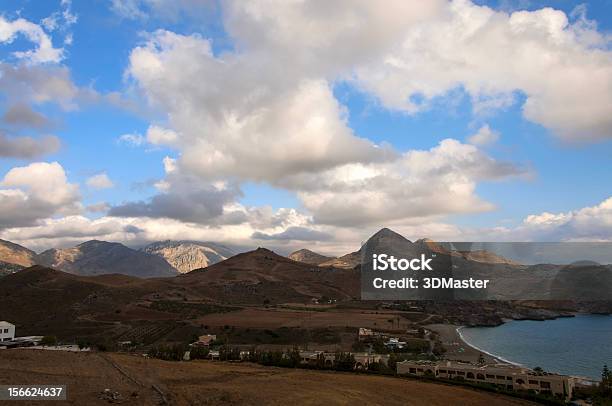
(7, 331)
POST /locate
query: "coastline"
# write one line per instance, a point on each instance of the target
(497, 358)
(458, 349)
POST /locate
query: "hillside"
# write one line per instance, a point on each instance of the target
(101, 257)
(309, 257)
(185, 256)
(260, 275)
(7, 268)
(16, 254)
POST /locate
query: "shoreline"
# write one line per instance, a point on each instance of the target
(457, 349)
(497, 358)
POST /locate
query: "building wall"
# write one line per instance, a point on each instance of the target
(7, 332)
(515, 379)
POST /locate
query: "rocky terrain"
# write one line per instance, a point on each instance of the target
(185, 256)
(16, 254)
(309, 257)
(101, 257)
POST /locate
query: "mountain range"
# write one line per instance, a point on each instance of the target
(44, 300)
(101, 257)
(159, 259)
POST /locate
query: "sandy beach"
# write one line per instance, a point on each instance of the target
(456, 348)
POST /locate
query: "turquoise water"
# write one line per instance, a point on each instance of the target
(578, 345)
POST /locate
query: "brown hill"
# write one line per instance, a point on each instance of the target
(309, 257)
(41, 300)
(16, 254)
(262, 275)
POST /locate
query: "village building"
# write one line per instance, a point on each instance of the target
(205, 340)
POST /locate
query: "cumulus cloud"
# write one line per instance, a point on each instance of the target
(40, 84)
(588, 223)
(34, 192)
(428, 183)
(280, 122)
(484, 136)
(201, 205)
(100, 181)
(256, 126)
(294, 233)
(409, 54)
(44, 51)
(27, 147)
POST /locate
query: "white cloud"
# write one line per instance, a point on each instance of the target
(34, 192)
(100, 181)
(44, 51)
(161, 136)
(484, 136)
(491, 55)
(588, 223)
(280, 123)
(134, 140)
(222, 130)
(420, 184)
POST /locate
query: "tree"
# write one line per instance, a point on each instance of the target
(605, 387)
(481, 359)
(48, 340)
(198, 352)
(392, 362)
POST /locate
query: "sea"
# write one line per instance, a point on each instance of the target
(578, 346)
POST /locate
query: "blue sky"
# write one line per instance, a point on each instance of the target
(553, 173)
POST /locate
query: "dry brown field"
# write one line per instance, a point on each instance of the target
(219, 383)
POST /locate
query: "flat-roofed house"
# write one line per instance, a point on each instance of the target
(205, 340)
(7, 331)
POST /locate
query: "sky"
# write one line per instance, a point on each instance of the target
(292, 124)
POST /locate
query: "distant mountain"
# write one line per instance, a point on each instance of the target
(379, 242)
(348, 261)
(386, 240)
(485, 256)
(309, 257)
(12, 253)
(101, 257)
(185, 256)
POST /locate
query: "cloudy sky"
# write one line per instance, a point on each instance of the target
(299, 123)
